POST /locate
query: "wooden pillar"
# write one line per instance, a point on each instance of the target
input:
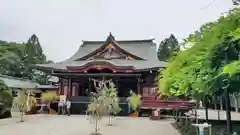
(61, 86)
(73, 90)
(117, 86)
(236, 102)
(76, 89)
(138, 87)
(69, 87)
(215, 103)
(89, 87)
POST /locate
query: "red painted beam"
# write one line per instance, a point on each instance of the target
(99, 65)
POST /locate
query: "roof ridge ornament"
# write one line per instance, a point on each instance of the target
(110, 37)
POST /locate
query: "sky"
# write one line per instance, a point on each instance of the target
(61, 25)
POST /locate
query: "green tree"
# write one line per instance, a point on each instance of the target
(11, 59)
(34, 55)
(111, 100)
(134, 101)
(225, 59)
(192, 72)
(18, 59)
(5, 98)
(104, 102)
(97, 109)
(34, 51)
(236, 2)
(168, 48)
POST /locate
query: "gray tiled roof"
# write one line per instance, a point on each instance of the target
(145, 49)
(14, 82)
(138, 64)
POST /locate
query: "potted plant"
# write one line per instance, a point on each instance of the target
(134, 102)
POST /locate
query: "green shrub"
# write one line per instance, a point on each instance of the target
(5, 100)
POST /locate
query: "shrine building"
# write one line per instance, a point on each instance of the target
(131, 64)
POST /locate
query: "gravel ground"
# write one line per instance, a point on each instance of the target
(79, 125)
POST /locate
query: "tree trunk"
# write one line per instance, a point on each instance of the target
(177, 115)
(215, 106)
(228, 111)
(215, 103)
(206, 111)
(21, 117)
(49, 107)
(221, 104)
(174, 113)
(196, 114)
(236, 102)
(180, 115)
(96, 126)
(110, 120)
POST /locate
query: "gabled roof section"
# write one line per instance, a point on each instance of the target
(110, 42)
(141, 49)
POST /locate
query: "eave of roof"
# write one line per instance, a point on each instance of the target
(145, 49)
(47, 87)
(15, 78)
(15, 82)
(137, 64)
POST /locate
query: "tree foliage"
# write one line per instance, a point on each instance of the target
(134, 100)
(97, 109)
(236, 2)
(194, 71)
(11, 59)
(168, 48)
(23, 102)
(5, 98)
(103, 102)
(18, 59)
(111, 100)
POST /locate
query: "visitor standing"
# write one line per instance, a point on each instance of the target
(68, 105)
(129, 105)
(60, 107)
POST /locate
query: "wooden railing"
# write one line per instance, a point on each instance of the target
(166, 104)
(151, 102)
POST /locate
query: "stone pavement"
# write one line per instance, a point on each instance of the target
(79, 125)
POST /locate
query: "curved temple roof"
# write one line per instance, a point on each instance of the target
(144, 49)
